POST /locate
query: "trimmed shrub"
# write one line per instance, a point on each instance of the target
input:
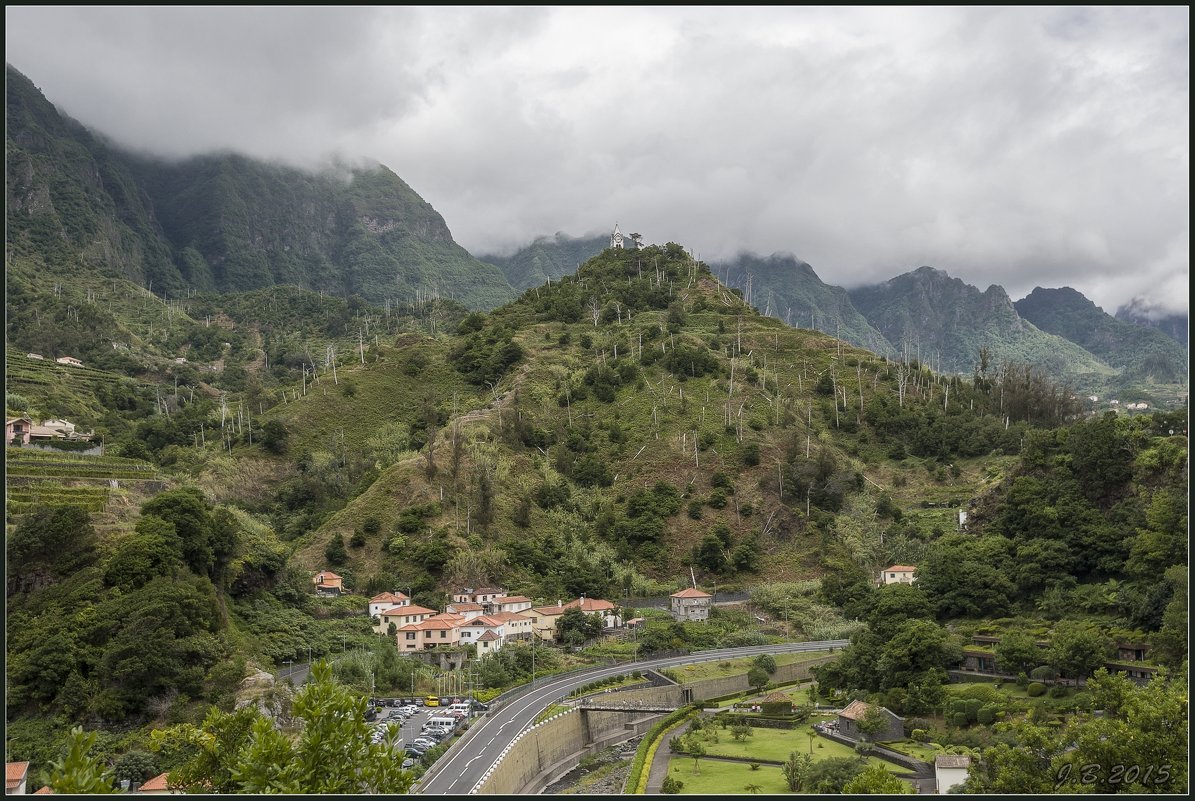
(1036, 689)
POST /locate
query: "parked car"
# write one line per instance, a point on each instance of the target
(479, 706)
(420, 702)
(408, 763)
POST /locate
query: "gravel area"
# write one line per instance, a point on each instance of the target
(603, 774)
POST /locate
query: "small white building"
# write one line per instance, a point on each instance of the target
(902, 574)
(387, 600)
(16, 775)
(950, 770)
(69, 360)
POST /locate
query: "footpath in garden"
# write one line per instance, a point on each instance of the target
(659, 762)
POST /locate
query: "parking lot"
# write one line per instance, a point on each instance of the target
(411, 721)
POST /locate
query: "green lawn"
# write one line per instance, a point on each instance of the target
(923, 751)
(1008, 688)
(724, 778)
(777, 744)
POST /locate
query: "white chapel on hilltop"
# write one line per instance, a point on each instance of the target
(616, 237)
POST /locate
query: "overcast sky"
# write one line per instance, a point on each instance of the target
(1015, 146)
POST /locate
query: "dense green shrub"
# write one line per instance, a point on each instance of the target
(1036, 689)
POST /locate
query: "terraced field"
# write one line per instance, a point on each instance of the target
(38, 478)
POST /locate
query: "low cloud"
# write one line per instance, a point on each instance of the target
(1015, 146)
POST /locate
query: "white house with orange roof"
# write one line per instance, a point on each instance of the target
(16, 775)
(465, 609)
(387, 600)
(400, 616)
(512, 603)
(899, 574)
(471, 632)
(516, 626)
(691, 604)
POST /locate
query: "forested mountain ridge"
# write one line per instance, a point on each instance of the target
(225, 222)
(946, 321)
(1139, 352)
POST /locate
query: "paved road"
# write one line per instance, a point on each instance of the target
(458, 770)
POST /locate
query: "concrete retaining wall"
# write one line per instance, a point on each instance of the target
(716, 688)
(545, 752)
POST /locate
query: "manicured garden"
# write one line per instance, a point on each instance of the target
(713, 777)
(733, 667)
(777, 744)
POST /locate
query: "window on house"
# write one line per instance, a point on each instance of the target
(443, 635)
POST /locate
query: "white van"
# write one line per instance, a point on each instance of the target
(459, 708)
(440, 722)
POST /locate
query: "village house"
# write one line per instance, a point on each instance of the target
(486, 633)
(327, 583)
(691, 604)
(400, 616)
(387, 600)
(465, 609)
(950, 770)
(156, 786)
(900, 574)
(544, 617)
(69, 360)
(438, 630)
(512, 603)
(485, 596)
(15, 776)
(848, 722)
(515, 626)
(16, 430)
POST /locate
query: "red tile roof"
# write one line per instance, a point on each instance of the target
(487, 636)
(901, 569)
(156, 783)
(464, 606)
(508, 617)
(548, 611)
(44, 791)
(388, 596)
(14, 774)
(514, 599)
(589, 605)
(409, 610)
(325, 574)
(690, 592)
